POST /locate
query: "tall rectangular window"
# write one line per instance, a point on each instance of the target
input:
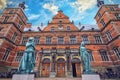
(6, 54)
(109, 36)
(6, 18)
(104, 55)
(91, 55)
(85, 39)
(68, 28)
(117, 52)
(19, 56)
(24, 40)
(72, 39)
(19, 24)
(52, 28)
(117, 15)
(102, 22)
(48, 40)
(60, 40)
(14, 36)
(99, 15)
(98, 39)
(37, 39)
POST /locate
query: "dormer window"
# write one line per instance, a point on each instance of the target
(68, 28)
(52, 28)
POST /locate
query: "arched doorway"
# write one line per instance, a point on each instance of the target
(76, 67)
(45, 67)
(60, 68)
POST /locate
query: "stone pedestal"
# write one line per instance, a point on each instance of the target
(52, 74)
(90, 77)
(23, 77)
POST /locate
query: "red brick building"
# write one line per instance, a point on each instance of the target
(57, 45)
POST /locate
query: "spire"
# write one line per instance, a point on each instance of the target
(22, 5)
(100, 3)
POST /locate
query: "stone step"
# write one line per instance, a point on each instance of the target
(58, 79)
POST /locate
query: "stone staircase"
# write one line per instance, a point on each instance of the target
(56, 79)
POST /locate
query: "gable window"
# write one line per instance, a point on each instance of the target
(37, 39)
(48, 40)
(98, 39)
(104, 55)
(117, 52)
(61, 40)
(72, 39)
(19, 56)
(117, 16)
(19, 24)
(68, 28)
(85, 39)
(109, 36)
(14, 36)
(91, 55)
(6, 54)
(52, 28)
(24, 40)
(6, 18)
(102, 22)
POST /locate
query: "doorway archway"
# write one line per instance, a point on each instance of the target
(76, 67)
(60, 68)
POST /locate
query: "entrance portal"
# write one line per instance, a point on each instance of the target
(74, 70)
(60, 68)
(76, 67)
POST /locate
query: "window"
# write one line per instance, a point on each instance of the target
(117, 16)
(109, 36)
(11, 11)
(52, 29)
(14, 36)
(24, 40)
(20, 24)
(37, 39)
(99, 15)
(60, 40)
(85, 39)
(117, 52)
(6, 54)
(48, 40)
(98, 39)
(102, 22)
(104, 55)
(91, 55)
(112, 8)
(19, 56)
(68, 28)
(6, 18)
(72, 39)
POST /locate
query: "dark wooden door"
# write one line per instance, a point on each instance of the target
(45, 70)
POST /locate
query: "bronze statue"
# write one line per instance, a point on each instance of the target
(28, 60)
(85, 57)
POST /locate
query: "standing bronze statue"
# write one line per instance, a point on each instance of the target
(28, 60)
(85, 57)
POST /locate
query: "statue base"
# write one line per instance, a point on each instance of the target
(90, 77)
(23, 77)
